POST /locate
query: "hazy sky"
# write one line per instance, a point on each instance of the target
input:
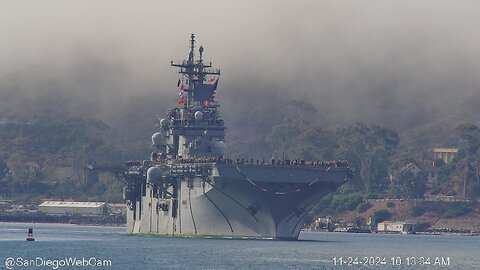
(356, 60)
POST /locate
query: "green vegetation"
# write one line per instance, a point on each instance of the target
(457, 209)
(409, 186)
(381, 215)
(296, 128)
(338, 203)
(421, 227)
(417, 211)
(474, 191)
(363, 207)
(359, 221)
(114, 193)
(33, 151)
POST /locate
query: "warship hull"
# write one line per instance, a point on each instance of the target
(254, 201)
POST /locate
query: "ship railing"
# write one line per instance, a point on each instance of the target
(243, 161)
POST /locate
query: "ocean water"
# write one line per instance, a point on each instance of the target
(59, 245)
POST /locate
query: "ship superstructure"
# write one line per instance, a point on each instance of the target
(189, 187)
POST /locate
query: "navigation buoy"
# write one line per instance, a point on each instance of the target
(30, 235)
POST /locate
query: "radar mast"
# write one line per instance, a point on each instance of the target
(195, 73)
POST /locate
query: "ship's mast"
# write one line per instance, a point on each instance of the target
(190, 69)
(194, 71)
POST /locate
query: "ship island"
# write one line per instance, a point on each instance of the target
(189, 187)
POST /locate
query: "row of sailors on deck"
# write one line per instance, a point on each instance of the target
(243, 161)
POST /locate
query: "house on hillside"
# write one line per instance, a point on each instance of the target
(415, 167)
(445, 154)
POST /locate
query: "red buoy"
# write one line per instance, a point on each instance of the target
(30, 235)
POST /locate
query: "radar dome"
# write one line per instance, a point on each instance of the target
(163, 122)
(198, 115)
(219, 147)
(154, 174)
(157, 139)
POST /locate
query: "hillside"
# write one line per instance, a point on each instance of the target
(44, 158)
(433, 217)
(45, 155)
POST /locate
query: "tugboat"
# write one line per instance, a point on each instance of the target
(189, 187)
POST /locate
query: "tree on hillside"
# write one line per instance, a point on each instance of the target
(295, 118)
(3, 169)
(314, 144)
(5, 183)
(309, 143)
(467, 159)
(369, 147)
(301, 112)
(410, 186)
(282, 135)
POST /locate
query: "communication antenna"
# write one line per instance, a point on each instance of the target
(194, 71)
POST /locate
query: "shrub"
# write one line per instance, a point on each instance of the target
(324, 206)
(390, 204)
(353, 202)
(421, 227)
(381, 215)
(435, 191)
(456, 210)
(360, 221)
(374, 195)
(326, 212)
(341, 203)
(363, 207)
(474, 191)
(341, 209)
(439, 162)
(417, 211)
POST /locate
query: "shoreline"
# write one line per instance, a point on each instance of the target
(439, 233)
(471, 234)
(102, 220)
(59, 223)
(66, 223)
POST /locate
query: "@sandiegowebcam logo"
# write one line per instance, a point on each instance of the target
(11, 263)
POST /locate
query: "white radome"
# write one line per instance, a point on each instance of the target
(154, 174)
(163, 122)
(198, 115)
(157, 139)
(219, 147)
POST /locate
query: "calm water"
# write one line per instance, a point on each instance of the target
(314, 251)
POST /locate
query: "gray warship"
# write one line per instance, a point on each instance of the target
(189, 187)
